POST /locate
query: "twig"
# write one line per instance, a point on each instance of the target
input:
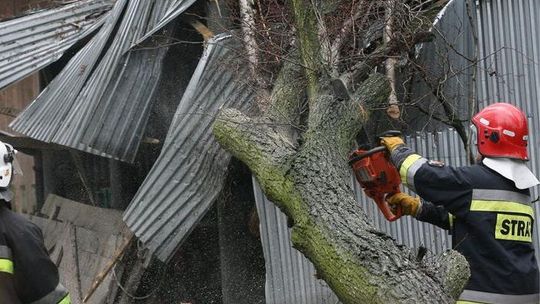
(101, 276)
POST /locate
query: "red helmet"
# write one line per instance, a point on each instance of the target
(502, 131)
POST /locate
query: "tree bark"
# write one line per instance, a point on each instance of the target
(310, 180)
(311, 185)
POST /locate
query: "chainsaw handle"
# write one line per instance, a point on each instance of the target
(391, 214)
(385, 208)
(390, 133)
(356, 157)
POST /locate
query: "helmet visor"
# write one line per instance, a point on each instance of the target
(473, 142)
(473, 136)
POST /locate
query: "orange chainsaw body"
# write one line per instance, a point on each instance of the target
(378, 177)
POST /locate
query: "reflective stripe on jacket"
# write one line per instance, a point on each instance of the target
(60, 292)
(491, 222)
(24, 257)
(6, 259)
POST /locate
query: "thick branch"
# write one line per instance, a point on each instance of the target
(310, 181)
(263, 149)
(452, 270)
(306, 27)
(312, 186)
(286, 100)
(247, 11)
(341, 120)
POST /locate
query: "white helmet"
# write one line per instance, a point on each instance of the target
(7, 160)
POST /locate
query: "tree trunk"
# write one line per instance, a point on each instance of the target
(311, 184)
(310, 179)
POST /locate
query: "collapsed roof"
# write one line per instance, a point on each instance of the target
(108, 78)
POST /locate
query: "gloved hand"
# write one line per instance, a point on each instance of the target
(409, 205)
(392, 142)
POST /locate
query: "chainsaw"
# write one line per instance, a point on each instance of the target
(378, 176)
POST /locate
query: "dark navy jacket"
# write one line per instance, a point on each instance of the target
(491, 223)
(25, 263)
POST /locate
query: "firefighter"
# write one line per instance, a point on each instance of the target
(27, 274)
(486, 206)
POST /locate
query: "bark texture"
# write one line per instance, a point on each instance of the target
(310, 181)
(311, 184)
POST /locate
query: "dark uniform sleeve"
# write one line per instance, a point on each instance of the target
(36, 276)
(435, 215)
(8, 293)
(435, 182)
(7, 289)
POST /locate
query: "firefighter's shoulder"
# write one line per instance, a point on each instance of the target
(435, 163)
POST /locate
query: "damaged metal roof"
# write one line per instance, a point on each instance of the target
(101, 100)
(188, 175)
(30, 43)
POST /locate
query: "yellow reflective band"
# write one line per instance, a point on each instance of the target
(405, 166)
(502, 206)
(451, 219)
(6, 266)
(467, 302)
(65, 300)
(513, 228)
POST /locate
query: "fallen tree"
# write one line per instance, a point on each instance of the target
(300, 160)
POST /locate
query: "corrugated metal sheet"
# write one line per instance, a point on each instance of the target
(30, 43)
(100, 102)
(290, 277)
(446, 62)
(173, 9)
(189, 173)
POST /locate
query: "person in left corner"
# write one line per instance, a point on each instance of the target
(27, 274)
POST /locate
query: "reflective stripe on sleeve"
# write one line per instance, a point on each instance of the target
(451, 220)
(6, 265)
(58, 295)
(502, 206)
(473, 296)
(408, 168)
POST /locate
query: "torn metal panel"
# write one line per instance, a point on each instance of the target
(30, 43)
(189, 173)
(173, 9)
(101, 101)
(43, 117)
(446, 62)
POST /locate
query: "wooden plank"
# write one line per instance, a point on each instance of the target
(7, 9)
(108, 221)
(69, 266)
(82, 255)
(95, 252)
(106, 271)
